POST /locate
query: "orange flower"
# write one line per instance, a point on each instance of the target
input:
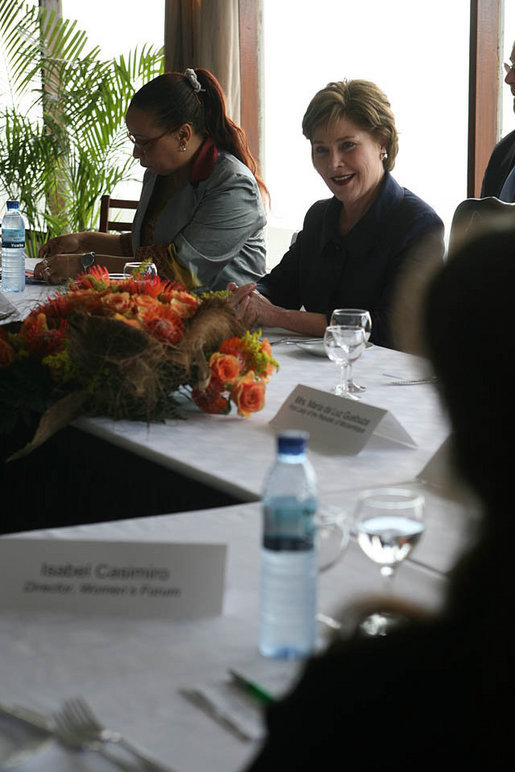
(183, 303)
(248, 395)
(236, 348)
(225, 367)
(120, 302)
(6, 350)
(144, 303)
(152, 286)
(84, 300)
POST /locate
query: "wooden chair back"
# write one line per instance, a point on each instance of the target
(106, 205)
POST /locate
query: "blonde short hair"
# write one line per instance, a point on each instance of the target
(362, 102)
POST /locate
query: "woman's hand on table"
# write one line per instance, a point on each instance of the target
(58, 268)
(255, 309)
(240, 299)
(250, 305)
(60, 258)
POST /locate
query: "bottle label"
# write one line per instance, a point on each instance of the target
(12, 244)
(13, 239)
(289, 525)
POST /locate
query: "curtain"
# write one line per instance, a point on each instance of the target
(205, 33)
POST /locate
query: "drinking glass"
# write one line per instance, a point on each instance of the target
(333, 526)
(354, 317)
(140, 270)
(389, 523)
(342, 343)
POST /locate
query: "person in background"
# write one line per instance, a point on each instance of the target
(499, 177)
(433, 693)
(201, 210)
(355, 246)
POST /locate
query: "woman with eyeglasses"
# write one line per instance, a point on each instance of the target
(355, 246)
(201, 214)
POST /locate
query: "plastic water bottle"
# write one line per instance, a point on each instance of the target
(13, 249)
(288, 625)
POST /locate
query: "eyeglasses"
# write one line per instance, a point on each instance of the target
(147, 144)
(509, 68)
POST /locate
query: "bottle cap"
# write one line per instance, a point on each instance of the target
(292, 442)
(12, 204)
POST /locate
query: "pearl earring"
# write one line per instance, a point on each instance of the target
(182, 147)
(384, 155)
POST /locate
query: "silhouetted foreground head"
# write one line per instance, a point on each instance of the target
(470, 338)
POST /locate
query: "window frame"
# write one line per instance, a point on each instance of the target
(484, 58)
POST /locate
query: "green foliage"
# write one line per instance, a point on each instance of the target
(62, 130)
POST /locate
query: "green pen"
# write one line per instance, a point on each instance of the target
(252, 689)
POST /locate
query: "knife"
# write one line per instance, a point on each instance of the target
(32, 718)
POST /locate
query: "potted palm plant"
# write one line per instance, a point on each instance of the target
(62, 131)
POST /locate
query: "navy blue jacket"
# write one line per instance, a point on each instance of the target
(499, 166)
(323, 270)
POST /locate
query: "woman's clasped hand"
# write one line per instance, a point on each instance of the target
(201, 213)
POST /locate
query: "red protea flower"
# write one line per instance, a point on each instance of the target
(55, 307)
(213, 399)
(42, 339)
(166, 329)
(97, 273)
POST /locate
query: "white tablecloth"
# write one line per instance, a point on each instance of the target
(233, 454)
(131, 671)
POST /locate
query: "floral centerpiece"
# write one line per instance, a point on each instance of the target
(124, 349)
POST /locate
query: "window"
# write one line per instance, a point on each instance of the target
(421, 64)
(117, 27)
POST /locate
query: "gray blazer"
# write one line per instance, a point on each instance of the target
(216, 224)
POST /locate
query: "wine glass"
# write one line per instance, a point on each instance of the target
(332, 527)
(340, 344)
(355, 317)
(389, 523)
(139, 270)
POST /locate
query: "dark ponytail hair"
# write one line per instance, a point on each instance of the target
(174, 101)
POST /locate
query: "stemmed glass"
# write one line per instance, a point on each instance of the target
(389, 523)
(333, 527)
(354, 317)
(342, 343)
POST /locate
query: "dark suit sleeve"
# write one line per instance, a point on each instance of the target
(399, 302)
(499, 166)
(282, 286)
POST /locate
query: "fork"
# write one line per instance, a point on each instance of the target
(78, 726)
(69, 738)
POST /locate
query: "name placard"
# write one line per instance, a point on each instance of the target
(338, 423)
(172, 580)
